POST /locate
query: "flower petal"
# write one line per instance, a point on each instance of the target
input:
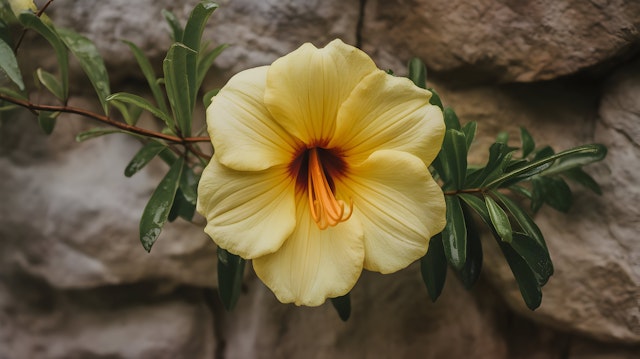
(248, 213)
(306, 88)
(399, 205)
(387, 112)
(313, 265)
(244, 134)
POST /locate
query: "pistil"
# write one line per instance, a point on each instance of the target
(326, 210)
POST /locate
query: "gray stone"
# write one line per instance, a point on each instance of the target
(486, 40)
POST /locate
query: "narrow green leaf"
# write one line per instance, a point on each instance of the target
(9, 64)
(230, 275)
(51, 83)
(576, 157)
(192, 38)
(451, 119)
(33, 22)
(524, 220)
(143, 104)
(454, 235)
(453, 156)
(189, 185)
(469, 131)
(148, 152)
(470, 272)
(343, 306)
(557, 193)
(435, 99)
(208, 96)
(156, 212)
(181, 208)
(580, 177)
(177, 85)
(528, 144)
(149, 75)
(499, 220)
(205, 62)
(544, 152)
(13, 93)
(97, 132)
(174, 24)
(571, 158)
(47, 121)
(537, 193)
(418, 72)
(499, 156)
(91, 62)
(536, 256)
(526, 279)
(433, 267)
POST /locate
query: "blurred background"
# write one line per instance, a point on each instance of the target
(76, 283)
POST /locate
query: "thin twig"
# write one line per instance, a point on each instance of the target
(103, 119)
(468, 190)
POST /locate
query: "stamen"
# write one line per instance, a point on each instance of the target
(326, 210)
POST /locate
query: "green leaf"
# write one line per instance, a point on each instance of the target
(477, 205)
(181, 208)
(557, 193)
(454, 235)
(174, 24)
(90, 61)
(343, 306)
(536, 256)
(526, 279)
(205, 62)
(503, 137)
(150, 76)
(499, 220)
(208, 97)
(576, 157)
(230, 275)
(51, 83)
(453, 157)
(99, 131)
(13, 93)
(31, 21)
(143, 104)
(568, 159)
(469, 131)
(191, 38)
(435, 98)
(418, 72)
(499, 156)
(156, 212)
(47, 121)
(177, 85)
(524, 220)
(528, 144)
(143, 157)
(470, 272)
(189, 185)
(9, 64)
(451, 119)
(544, 152)
(580, 177)
(433, 267)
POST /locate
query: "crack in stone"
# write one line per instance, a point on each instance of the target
(360, 23)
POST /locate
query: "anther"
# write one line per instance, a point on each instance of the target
(326, 210)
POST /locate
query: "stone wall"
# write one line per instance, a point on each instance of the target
(76, 283)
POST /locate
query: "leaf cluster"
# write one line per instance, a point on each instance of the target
(493, 193)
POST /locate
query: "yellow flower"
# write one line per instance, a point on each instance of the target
(18, 6)
(321, 170)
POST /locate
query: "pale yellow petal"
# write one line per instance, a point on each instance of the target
(244, 134)
(387, 112)
(399, 206)
(248, 213)
(306, 88)
(313, 265)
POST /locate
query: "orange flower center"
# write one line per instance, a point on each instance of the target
(314, 169)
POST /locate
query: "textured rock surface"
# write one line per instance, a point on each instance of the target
(501, 40)
(75, 283)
